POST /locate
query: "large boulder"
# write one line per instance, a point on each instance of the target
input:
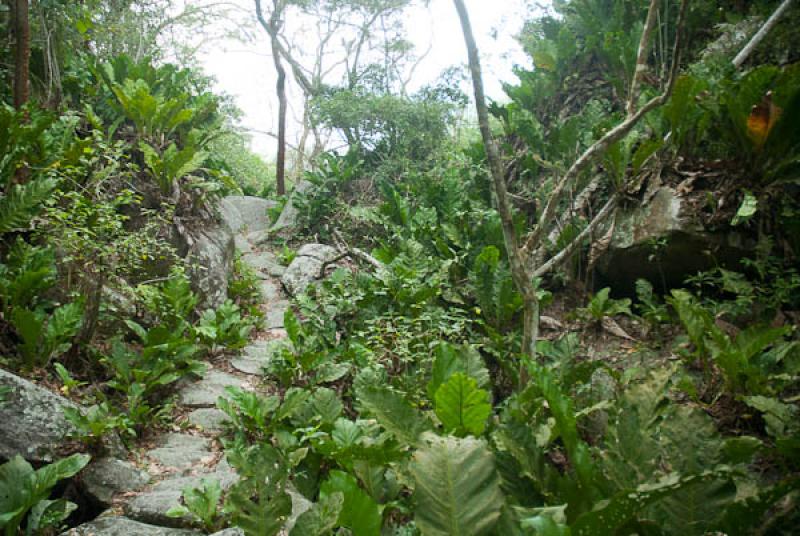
(32, 422)
(307, 267)
(246, 212)
(210, 252)
(663, 240)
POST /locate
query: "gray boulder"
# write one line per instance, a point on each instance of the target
(32, 422)
(105, 477)
(112, 525)
(307, 267)
(210, 253)
(246, 212)
(663, 241)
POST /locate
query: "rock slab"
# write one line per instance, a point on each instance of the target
(307, 267)
(32, 422)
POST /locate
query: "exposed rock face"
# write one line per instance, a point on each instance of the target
(210, 253)
(32, 422)
(246, 212)
(105, 477)
(307, 267)
(662, 242)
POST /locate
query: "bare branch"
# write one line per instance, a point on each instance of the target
(761, 33)
(565, 253)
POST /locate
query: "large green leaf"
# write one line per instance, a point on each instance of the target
(461, 406)
(457, 487)
(359, 512)
(22, 488)
(449, 359)
(321, 518)
(394, 413)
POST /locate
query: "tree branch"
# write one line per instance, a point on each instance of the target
(761, 33)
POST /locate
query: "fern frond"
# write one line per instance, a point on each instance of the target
(19, 207)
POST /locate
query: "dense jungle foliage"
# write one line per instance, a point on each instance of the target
(402, 400)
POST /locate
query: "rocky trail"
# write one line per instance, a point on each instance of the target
(139, 499)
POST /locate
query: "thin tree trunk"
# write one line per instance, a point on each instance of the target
(272, 27)
(641, 57)
(280, 165)
(22, 53)
(523, 282)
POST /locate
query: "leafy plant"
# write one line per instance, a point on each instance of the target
(68, 383)
(201, 503)
(742, 359)
(359, 512)
(602, 306)
(494, 290)
(223, 327)
(24, 493)
(258, 503)
(97, 422)
(46, 336)
(653, 312)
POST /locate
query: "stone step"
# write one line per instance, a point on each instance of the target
(208, 419)
(205, 392)
(180, 451)
(151, 506)
(255, 356)
(275, 314)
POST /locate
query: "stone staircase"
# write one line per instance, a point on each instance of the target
(183, 457)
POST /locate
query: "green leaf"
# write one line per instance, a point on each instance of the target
(326, 404)
(608, 516)
(48, 513)
(747, 209)
(461, 406)
(457, 487)
(449, 359)
(321, 518)
(394, 413)
(23, 202)
(359, 512)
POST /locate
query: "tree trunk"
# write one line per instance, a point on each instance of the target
(522, 280)
(280, 165)
(22, 52)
